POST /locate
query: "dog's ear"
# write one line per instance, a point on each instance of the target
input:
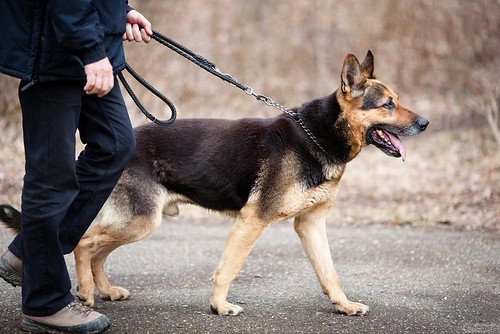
(352, 79)
(367, 66)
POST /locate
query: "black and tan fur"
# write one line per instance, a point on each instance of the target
(258, 170)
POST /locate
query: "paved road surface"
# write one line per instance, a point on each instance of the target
(416, 280)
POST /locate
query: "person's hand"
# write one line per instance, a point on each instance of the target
(138, 28)
(100, 78)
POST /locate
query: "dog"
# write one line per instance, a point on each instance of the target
(258, 171)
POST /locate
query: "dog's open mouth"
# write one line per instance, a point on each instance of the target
(387, 142)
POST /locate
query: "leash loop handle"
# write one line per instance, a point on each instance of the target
(150, 116)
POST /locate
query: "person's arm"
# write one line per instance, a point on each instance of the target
(78, 29)
(100, 78)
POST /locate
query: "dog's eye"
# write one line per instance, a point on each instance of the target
(389, 105)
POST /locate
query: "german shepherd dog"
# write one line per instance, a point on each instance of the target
(259, 171)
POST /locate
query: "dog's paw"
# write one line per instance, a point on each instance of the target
(89, 302)
(351, 308)
(226, 308)
(86, 300)
(115, 293)
(86, 296)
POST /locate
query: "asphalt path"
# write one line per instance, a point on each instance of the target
(415, 280)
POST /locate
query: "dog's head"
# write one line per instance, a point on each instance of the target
(372, 109)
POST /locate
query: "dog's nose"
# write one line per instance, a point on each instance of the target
(422, 123)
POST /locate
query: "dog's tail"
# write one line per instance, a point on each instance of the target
(10, 217)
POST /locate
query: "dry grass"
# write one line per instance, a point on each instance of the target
(450, 178)
(441, 56)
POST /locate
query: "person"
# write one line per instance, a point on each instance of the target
(66, 54)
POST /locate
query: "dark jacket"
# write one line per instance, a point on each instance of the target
(43, 40)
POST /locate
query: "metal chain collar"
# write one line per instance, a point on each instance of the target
(294, 115)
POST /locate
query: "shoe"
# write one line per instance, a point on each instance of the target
(74, 318)
(11, 268)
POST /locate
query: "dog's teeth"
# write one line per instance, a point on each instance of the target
(381, 134)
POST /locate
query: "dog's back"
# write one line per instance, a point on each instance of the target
(214, 163)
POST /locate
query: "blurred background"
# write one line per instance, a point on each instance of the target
(442, 58)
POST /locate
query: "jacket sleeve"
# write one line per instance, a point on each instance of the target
(129, 8)
(77, 28)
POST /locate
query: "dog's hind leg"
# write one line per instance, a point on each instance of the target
(90, 255)
(247, 229)
(83, 264)
(106, 290)
(94, 248)
(311, 228)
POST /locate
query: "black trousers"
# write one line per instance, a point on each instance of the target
(61, 197)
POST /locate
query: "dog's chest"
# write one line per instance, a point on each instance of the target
(296, 199)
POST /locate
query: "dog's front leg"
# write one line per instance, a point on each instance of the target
(246, 231)
(311, 228)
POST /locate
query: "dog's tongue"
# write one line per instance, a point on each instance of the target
(398, 144)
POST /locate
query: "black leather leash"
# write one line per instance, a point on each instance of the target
(150, 116)
(211, 68)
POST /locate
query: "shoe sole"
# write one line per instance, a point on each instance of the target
(9, 274)
(29, 325)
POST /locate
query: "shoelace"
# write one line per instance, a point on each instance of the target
(79, 308)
